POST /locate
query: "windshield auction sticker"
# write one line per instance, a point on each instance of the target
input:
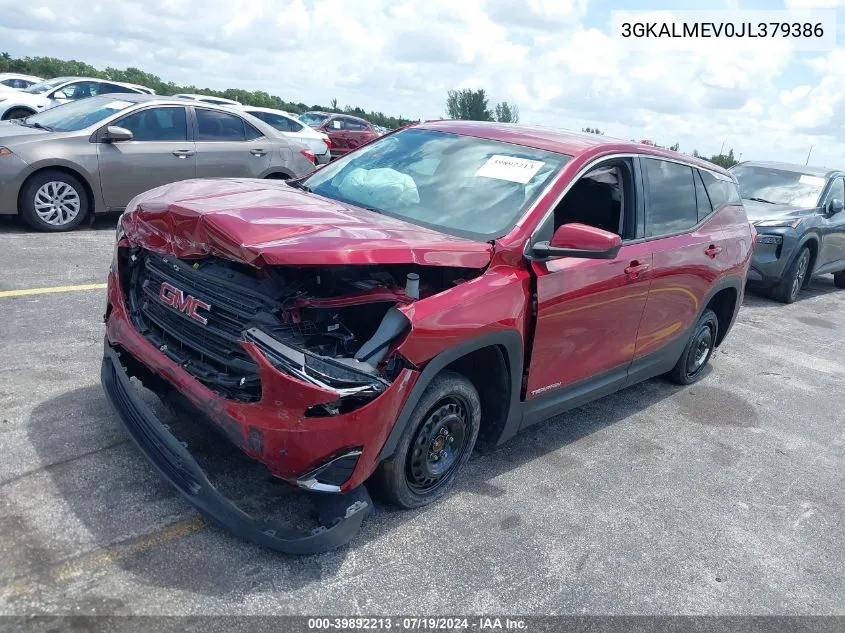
(798, 29)
(510, 168)
(814, 181)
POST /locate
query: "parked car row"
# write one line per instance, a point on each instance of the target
(17, 104)
(94, 155)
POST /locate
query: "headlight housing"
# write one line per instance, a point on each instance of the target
(119, 233)
(784, 222)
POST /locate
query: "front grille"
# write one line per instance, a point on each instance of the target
(211, 352)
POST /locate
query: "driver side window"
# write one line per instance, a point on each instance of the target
(603, 198)
(836, 191)
(78, 90)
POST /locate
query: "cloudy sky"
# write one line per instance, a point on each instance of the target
(557, 59)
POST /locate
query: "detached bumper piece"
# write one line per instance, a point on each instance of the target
(340, 515)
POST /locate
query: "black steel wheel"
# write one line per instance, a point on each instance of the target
(699, 349)
(435, 443)
(438, 445)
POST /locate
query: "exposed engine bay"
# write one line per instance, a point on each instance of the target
(332, 326)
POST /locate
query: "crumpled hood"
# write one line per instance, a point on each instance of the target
(266, 222)
(757, 211)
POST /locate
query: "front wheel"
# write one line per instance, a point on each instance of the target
(839, 279)
(794, 279)
(699, 349)
(17, 113)
(53, 200)
(435, 445)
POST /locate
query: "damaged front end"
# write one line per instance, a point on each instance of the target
(334, 327)
(289, 362)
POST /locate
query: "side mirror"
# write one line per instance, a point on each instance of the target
(835, 206)
(579, 240)
(116, 134)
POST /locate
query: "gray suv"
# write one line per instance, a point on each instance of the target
(799, 214)
(94, 155)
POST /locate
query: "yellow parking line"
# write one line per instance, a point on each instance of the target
(99, 560)
(41, 291)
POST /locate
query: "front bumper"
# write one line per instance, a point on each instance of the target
(773, 253)
(12, 169)
(275, 430)
(340, 517)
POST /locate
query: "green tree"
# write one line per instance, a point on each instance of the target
(507, 112)
(468, 104)
(675, 147)
(724, 160)
(592, 130)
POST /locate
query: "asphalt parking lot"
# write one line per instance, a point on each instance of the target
(724, 498)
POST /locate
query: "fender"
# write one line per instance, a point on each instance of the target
(738, 284)
(84, 176)
(277, 171)
(511, 343)
(810, 236)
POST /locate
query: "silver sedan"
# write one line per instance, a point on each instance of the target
(96, 154)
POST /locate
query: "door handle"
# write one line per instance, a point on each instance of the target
(257, 152)
(712, 250)
(635, 269)
(183, 153)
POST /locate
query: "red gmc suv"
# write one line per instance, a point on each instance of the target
(444, 286)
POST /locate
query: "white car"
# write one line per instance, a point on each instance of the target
(207, 99)
(48, 94)
(291, 127)
(17, 81)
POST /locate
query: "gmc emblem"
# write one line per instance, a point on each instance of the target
(175, 298)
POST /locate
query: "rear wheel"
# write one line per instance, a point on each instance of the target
(53, 201)
(699, 349)
(794, 279)
(839, 279)
(435, 445)
(17, 113)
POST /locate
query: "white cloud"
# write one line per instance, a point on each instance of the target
(557, 59)
(813, 4)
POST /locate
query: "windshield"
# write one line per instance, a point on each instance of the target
(778, 186)
(77, 115)
(44, 86)
(461, 185)
(313, 120)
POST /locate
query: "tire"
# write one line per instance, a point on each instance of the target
(796, 277)
(52, 200)
(448, 413)
(17, 113)
(839, 279)
(699, 349)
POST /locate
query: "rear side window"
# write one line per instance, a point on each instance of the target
(701, 198)
(672, 206)
(281, 123)
(106, 88)
(352, 124)
(213, 125)
(721, 192)
(157, 124)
